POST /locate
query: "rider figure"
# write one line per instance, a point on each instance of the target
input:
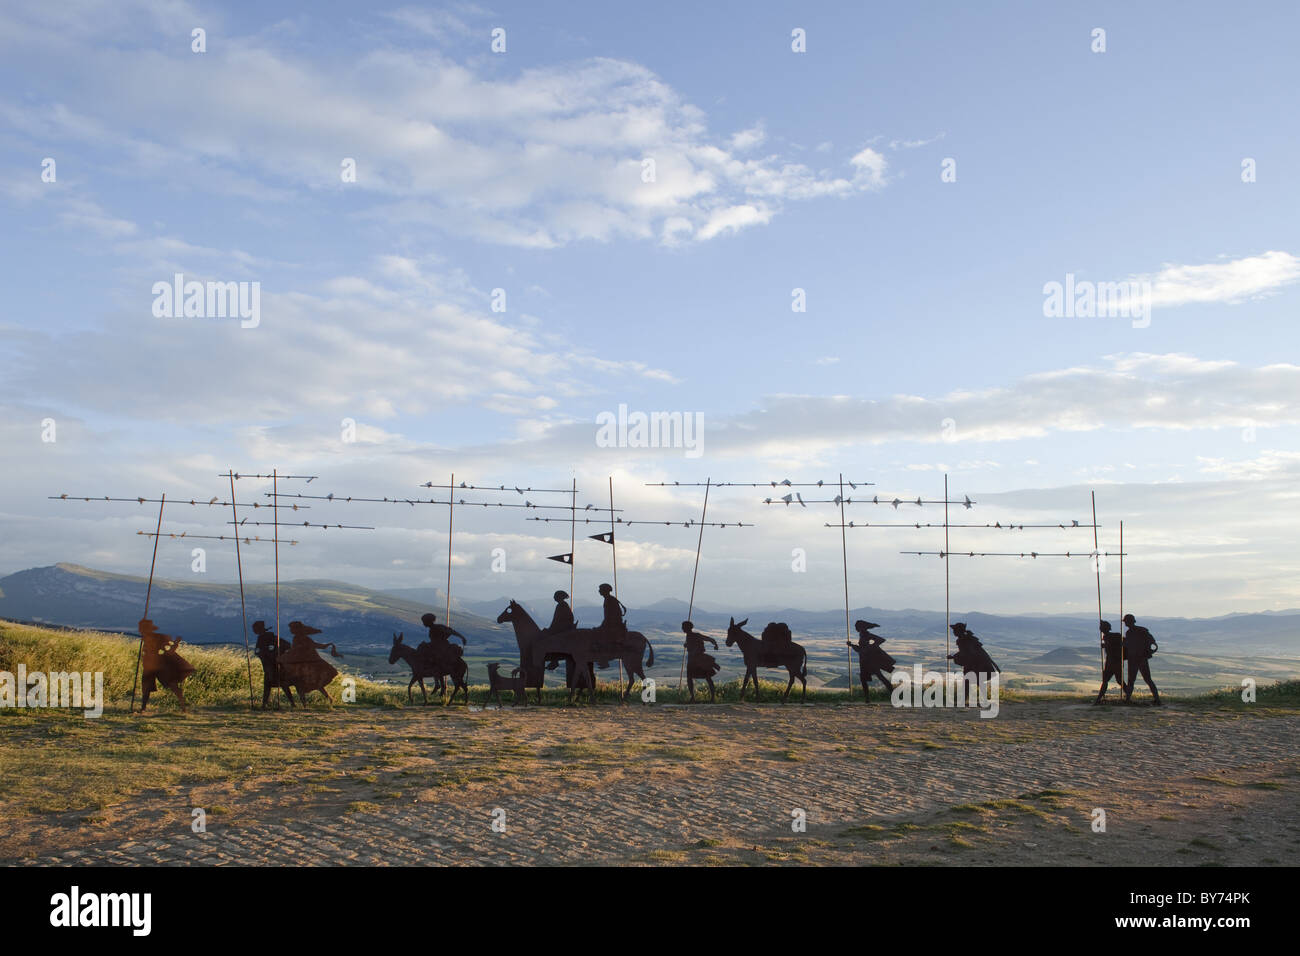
(562, 621)
(614, 609)
(439, 642)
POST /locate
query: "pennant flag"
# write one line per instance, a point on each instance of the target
(562, 558)
(607, 537)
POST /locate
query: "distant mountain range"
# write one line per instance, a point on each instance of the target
(365, 619)
(355, 618)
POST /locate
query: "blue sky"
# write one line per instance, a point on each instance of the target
(775, 170)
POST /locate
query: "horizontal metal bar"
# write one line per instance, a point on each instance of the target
(689, 523)
(1020, 554)
(537, 491)
(302, 524)
(434, 501)
(997, 524)
(754, 484)
(253, 539)
(874, 500)
(172, 501)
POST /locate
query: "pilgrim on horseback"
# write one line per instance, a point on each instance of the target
(424, 663)
(439, 643)
(699, 664)
(160, 664)
(581, 648)
(562, 622)
(612, 623)
(873, 660)
(527, 633)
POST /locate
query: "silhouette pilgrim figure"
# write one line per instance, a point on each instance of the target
(268, 650)
(1114, 660)
(1139, 645)
(160, 664)
(614, 610)
(971, 656)
(873, 660)
(303, 667)
(700, 665)
(562, 620)
(439, 643)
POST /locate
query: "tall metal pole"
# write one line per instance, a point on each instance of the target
(844, 553)
(1122, 655)
(613, 547)
(243, 610)
(147, 594)
(690, 607)
(1096, 559)
(947, 591)
(275, 513)
(451, 508)
(573, 524)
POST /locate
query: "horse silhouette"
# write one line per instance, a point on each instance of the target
(594, 645)
(425, 664)
(769, 652)
(526, 632)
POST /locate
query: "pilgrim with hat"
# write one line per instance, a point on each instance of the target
(700, 665)
(873, 660)
(302, 667)
(160, 664)
(1139, 645)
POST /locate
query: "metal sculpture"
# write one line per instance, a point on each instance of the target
(774, 649)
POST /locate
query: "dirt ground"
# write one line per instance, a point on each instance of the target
(673, 784)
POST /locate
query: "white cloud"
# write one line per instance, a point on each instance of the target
(747, 139)
(1232, 281)
(537, 158)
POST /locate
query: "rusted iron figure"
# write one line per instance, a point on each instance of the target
(526, 632)
(303, 668)
(424, 663)
(268, 650)
(1113, 644)
(514, 683)
(588, 647)
(873, 660)
(699, 664)
(445, 658)
(160, 664)
(971, 657)
(776, 648)
(1139, 646)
